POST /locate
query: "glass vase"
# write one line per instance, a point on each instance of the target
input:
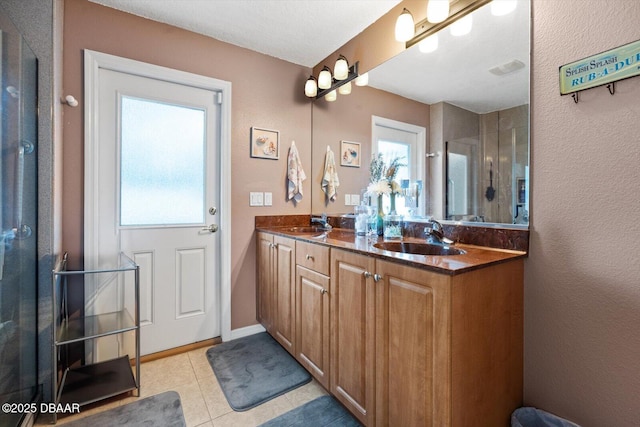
(380, 216)
(392, 204)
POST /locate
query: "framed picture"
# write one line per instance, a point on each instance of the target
(350, 154)
(265, 143)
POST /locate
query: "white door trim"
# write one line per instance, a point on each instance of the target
(93, 61)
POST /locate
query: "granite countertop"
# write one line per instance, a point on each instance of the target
(475, 257)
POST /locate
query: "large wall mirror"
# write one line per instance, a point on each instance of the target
(459, 115)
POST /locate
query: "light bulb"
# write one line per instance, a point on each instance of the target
(362, 79)
(405, 28)
(345, 89)
(437, 11)
(462, 26)
(503, 7)
(311, 87)
(429, 44)
(341, 69)
(331, 96)
(324, 78)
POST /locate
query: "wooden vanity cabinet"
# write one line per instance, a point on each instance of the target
(412, 347)
(353, 337)
(312, 309)
(276, 287)
(398, 345)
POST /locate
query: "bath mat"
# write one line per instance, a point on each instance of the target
(324, 411)
(160, 410)
(255, 369)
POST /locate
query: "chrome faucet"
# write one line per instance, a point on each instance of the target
(323, 221)
(434, 233)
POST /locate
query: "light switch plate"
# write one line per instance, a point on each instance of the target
(355, 199)
(268, 199)
(347, 199)
(256, 199)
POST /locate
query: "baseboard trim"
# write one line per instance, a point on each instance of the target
(246, 331)
(180, 350)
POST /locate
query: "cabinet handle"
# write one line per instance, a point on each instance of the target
(377, 277)
(323, 291)
(309, 257)
(367, 274)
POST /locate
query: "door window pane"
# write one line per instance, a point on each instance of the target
(162, 163)
(390, 150)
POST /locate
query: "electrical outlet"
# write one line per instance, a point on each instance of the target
(256, 199)
(355, 199)
(268, 199)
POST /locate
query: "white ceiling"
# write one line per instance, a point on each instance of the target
(305, 32)
(300, 31)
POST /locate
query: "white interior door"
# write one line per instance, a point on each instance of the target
(158, 196)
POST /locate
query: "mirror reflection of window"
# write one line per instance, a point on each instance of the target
(391, 150)
(397, 139)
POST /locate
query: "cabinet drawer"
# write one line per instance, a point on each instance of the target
(312, 256)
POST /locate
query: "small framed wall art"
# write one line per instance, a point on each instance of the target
(265, 143)
(350, 154)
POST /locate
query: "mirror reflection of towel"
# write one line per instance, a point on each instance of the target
(295, 174)
(330, 181)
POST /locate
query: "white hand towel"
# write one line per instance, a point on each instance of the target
(330, 181)
(295, 174)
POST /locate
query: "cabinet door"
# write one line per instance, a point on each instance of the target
(265, 278)
(312, 323)
(413, 366)
(353, 332)
(284, 293)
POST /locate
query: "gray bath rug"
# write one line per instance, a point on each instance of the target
(255, 369)
(324, 411)
(160, 410)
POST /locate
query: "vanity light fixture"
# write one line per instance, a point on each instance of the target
(462, 26)
(324, 78)
(345, 89)
(405, 26)
(311, 87)
(503, 7)
(329, 86)
(362, 79)
(331, 96)
(341, 69)
(456, 11)
(437, 10)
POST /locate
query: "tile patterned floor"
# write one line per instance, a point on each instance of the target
(202, 400)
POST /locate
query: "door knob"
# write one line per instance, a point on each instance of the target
(211, 229)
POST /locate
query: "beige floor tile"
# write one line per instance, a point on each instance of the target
(193, 404)
(306, 393)
(207, 424)
(214, 397)
(165, 374)
(255, 416)
(200, 363)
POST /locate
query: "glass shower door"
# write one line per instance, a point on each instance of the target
(18, 217)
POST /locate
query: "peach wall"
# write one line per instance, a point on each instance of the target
(266, 93)
(349, 118)
(582, 277)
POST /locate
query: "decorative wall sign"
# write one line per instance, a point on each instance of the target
(350, 154)
(606, 67)
(265, 143)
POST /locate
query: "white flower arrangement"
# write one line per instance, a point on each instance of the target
(380, 172)
(379, 187)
